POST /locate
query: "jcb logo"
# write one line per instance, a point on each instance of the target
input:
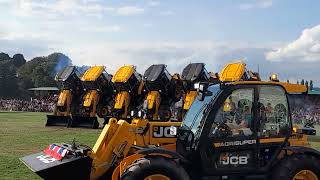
(162, 132)
(234, 160)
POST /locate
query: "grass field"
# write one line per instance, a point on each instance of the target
(24, 133)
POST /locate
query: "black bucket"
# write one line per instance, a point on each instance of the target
(64, 121)
(70, 167)
(85, 122)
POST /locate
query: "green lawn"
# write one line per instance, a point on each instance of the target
(24, 133)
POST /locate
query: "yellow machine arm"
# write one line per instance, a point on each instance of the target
(119, 139)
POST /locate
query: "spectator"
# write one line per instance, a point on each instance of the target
(44, 104)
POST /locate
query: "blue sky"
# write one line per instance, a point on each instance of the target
(281, 36)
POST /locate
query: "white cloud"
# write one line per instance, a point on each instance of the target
(114, 28)
(147, 25)
(167, 13)
(305, 48)
(59, 8)
(175, 54)
(153, 3)
(129, 10)
(261, 4)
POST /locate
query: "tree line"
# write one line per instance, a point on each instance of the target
(18, 75)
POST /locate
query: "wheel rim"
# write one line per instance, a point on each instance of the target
(157, 177)
(305, 175)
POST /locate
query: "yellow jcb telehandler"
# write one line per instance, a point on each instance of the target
(126, 82)
(97, 98)
(212, 140)
(161, 91)
(70, 90)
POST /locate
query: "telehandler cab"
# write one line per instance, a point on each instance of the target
(70, 90)
(97, 98)
(126, 83)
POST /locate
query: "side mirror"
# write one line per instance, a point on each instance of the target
(202, 88)
(201, 96)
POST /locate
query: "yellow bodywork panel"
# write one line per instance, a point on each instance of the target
(299, 140)
(190, 97)
(117, 139)
(90, 97)
(153, 99)
(232, 72)
(122, 99)
(294, 88)
(92, 73)
(123, 74)
(63, 97)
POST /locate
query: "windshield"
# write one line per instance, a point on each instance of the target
(193, 117)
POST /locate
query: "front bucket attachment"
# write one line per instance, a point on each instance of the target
(85, 122)
(58, 120)
(68, 168)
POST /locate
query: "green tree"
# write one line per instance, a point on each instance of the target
(18, 60)
(4, 57)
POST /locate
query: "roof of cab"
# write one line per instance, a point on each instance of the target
(65, 73)
(92, 73)
(192, 71)
(123, 73)
(290, 88)
(154, 72)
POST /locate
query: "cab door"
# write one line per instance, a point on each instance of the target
(274, 123)
(229, 142)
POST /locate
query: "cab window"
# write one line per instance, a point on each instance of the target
(235, 116)
(273, 111)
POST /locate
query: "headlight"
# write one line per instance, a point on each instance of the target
(132, 113)
(196, 85)
(140, 114)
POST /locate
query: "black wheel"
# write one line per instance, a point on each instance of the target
(102, 111)
(155, 168)
(296, 167)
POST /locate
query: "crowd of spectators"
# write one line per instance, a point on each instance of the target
(305, 109)
(43, 104)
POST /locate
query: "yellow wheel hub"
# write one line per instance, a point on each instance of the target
(157, 177)
(305, 175)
